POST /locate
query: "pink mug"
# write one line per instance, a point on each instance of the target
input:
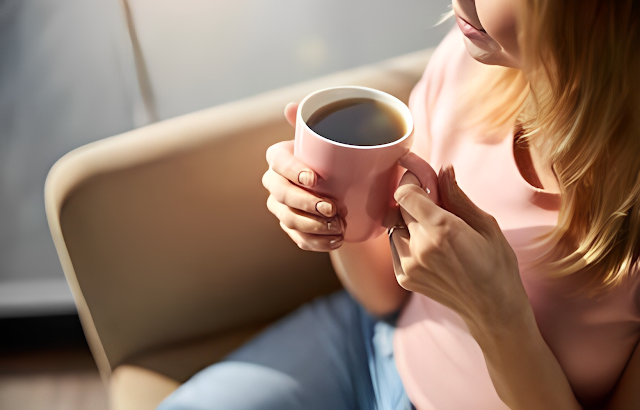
(360, 178)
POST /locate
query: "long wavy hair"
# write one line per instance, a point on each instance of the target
(577, 100)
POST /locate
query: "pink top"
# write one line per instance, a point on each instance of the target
(441, 365)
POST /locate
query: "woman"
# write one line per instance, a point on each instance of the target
(518, 284)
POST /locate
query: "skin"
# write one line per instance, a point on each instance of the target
(452, 251)
(498, 19)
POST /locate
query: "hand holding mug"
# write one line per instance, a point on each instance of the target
(311, 220)
(337, 183)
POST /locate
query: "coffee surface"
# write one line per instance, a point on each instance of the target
(358, 121)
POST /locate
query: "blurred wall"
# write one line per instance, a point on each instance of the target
(205, 52)
(67, 77)
(64, 81)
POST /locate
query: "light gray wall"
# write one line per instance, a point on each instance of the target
(67, 78)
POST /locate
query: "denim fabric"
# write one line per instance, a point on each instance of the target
(327, 355)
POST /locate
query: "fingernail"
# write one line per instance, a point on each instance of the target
(306, 178)
(450, 178)
(325, 208)
(399, 195)
(333, 225)
(447, 171)
(335, 243)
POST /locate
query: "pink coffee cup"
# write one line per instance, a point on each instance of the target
(360, 178)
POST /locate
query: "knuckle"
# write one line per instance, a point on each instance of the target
(265, 179)
(270, 204)
(287, 219)
(405, 281)
(492, 226)
(274, 207)
(284, 196)
(279, 192)
(447, 229)
(280, 196)
(440, 220)
(278, 157)
(303, 245)
(271, 152)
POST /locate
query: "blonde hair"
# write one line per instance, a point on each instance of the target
(582, 111)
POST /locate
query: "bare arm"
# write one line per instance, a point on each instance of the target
(457, 255)
(523, 369)
(527, 375)
(365, 270)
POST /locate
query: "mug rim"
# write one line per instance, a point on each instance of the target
(381, 96)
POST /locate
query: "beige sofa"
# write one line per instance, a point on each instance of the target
(165, 240)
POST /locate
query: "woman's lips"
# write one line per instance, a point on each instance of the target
(469, 30)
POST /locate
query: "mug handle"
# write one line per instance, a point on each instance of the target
(428, 178)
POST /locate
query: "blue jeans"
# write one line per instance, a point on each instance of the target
(327, 355)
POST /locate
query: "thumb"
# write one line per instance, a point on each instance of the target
(290, 113)
(422, 171)
(395, 218)
(454, 200)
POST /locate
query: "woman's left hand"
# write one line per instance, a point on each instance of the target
(456, 254)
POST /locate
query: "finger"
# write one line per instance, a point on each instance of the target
(281, 160)
(295, 197)
(458, 203)
(303, 222)
(416, 202)
(394, 217)
(401, 242)
(426, 176)
(413, 226)
(409, 178)
(409, 221)
(310, 242)
(290, 113)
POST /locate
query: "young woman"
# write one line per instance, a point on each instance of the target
(518, 284)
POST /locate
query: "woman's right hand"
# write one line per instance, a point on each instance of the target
(310, 220)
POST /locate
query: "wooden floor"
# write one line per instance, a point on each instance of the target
(62, 379)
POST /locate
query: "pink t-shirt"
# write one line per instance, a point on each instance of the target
(441, 365)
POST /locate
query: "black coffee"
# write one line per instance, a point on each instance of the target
(358, 121)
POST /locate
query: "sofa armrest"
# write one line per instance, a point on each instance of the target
(163, 232)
